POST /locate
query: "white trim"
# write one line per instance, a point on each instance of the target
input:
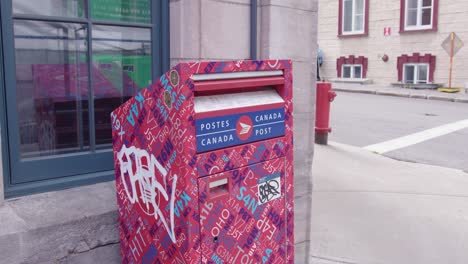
(228, 130)
(271, 123)
(416, 72)
(218, 183)
(353, 22)
(217, 132)
(235, 75)
(353, 66)
(419, 9)
(217, 102)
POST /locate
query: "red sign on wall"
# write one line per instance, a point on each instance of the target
(387, 31)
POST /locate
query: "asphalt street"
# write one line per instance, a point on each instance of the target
(363, 119)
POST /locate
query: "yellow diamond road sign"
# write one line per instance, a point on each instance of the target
(457, 44)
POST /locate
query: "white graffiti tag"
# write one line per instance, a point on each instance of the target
(145, 189)
(274, 65)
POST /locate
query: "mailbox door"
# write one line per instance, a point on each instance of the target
(242, 214)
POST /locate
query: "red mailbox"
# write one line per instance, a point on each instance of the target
(204, 165)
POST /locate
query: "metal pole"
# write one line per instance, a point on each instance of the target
(91, 116)
(452, 36)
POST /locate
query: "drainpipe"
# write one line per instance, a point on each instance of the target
(253, 29)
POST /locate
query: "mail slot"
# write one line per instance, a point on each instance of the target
(204, 165)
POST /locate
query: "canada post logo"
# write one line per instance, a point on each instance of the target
(244, 127)
(229, 130)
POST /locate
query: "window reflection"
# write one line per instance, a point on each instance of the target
(121, 67)
(51, 87)
(65, 8)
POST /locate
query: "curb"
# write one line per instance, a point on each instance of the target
(405, 95)
(354, 91)
(418, 96)
(440, 98)
(461, 100)
(387, 93)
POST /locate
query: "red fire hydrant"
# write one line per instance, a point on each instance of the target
(325, 96)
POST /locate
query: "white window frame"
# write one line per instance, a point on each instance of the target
(416, 72)
(353, 21)
(419, 16)
(352, 66)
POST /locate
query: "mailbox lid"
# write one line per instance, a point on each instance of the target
(228, 102)
(242, 214)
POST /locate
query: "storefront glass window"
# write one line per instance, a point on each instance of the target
(51, 87)
(71, 63)
(121, 67)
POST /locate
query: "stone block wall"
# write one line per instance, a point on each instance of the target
(209, 30)
(288, 29)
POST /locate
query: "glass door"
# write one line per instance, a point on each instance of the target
(69, 64)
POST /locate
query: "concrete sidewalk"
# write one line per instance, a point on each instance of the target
(367, 208)
(461, 97)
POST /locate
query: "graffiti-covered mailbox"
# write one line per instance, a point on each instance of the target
(204, 165)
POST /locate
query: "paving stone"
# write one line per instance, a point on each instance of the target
(10, 222)
(109, 254)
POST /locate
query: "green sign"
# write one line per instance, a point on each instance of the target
(136, 67)
(121, 10)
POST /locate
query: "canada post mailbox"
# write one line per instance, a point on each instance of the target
(204, 165)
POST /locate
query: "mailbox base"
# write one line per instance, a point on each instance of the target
(321, 138)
